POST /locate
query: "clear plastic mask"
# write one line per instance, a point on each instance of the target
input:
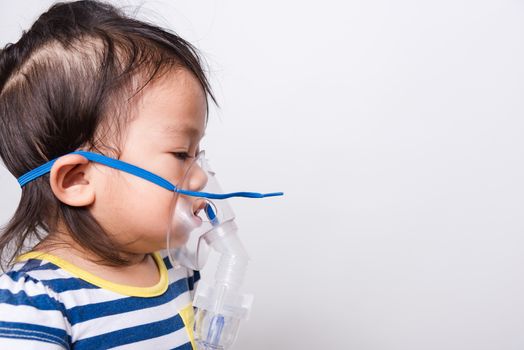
(195, 220)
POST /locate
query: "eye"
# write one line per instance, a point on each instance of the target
(181, 155)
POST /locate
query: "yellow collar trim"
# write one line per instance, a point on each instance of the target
(132, 291)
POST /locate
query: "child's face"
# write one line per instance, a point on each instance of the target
(169, 122)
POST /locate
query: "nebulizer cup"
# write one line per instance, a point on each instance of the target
(199, 225)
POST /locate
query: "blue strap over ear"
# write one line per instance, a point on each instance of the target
(142, 173)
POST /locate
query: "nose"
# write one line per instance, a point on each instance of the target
(197, 177)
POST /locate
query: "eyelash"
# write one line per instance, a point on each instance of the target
(185, 155)
(182, 155)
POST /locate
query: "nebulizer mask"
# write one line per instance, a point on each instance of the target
(207, 222)
(201, 219)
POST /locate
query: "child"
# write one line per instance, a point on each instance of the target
(95, 274)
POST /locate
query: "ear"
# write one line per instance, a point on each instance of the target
(70, 181)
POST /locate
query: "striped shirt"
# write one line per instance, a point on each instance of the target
(47, 303)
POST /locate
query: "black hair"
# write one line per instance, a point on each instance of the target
(64, 85)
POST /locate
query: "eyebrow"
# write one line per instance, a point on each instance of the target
(174, 129)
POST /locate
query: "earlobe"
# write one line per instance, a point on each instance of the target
(70, 181)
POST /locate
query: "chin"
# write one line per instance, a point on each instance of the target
(179, 240)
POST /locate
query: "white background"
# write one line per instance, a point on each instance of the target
(395, 130)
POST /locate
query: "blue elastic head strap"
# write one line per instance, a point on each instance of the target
(142, 173)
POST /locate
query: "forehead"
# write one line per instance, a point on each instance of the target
(173, 105)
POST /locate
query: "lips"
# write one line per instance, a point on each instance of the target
(198, 206)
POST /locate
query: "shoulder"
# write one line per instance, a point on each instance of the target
(30, 310)
(29, 278)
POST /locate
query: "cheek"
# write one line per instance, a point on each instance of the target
(148, 207)
(172, 170)
(134, 208)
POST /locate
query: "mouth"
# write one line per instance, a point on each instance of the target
(198, 206)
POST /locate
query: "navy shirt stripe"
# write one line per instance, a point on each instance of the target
(41, 302)
(88, 312)
(32, 331)
(131, 335)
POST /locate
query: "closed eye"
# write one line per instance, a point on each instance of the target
(181, 155)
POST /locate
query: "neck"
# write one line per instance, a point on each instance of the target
(61, 243)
